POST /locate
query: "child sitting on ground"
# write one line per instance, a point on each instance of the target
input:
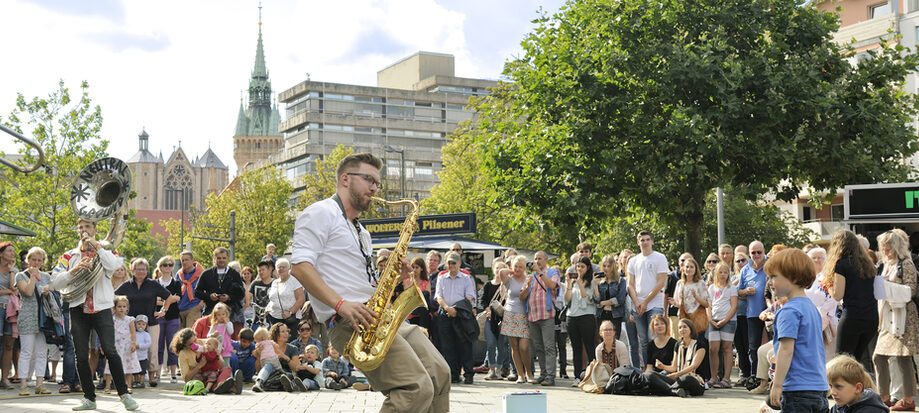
(310, 367)
(144, 341)
(336, 371)
(242, 359)
(852, 388)
(268, 348)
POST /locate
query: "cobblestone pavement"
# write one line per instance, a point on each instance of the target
(481, 397)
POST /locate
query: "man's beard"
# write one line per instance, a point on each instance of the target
(358, 201)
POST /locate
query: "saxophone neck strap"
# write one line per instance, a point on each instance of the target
(368, 262)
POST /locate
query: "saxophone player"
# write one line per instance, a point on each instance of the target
(92, 311)
(332, 260)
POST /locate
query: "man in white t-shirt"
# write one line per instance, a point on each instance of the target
(647, 273)
(332, 260)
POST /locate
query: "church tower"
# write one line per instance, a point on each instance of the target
(257, 134)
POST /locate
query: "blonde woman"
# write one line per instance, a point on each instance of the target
(33, 353)
(895, 342)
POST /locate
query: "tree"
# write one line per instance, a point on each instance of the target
(138, 242)
(650, 104)
(68, 132)
(322, 184)
(263, 215)
(466, 187)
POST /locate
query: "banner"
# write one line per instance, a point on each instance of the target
(447, 224)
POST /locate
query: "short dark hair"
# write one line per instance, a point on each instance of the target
(246, 334)
(355, 160)
(303, 323)
(266, 263)
(643, 233)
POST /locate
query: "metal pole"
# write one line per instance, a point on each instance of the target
(402, 155)
(719, 194)
(232, 235)
(182, 229)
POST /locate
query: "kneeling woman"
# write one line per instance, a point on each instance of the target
(681, 375)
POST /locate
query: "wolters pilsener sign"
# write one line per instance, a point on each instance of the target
(452, 224)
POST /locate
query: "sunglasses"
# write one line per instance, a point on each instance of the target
(740, 261)
(756, 252)
(711, 262)
(305, 329)
(167, 265)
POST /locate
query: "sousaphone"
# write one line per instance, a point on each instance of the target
(100, 191)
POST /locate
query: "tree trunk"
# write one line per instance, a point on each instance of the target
(692, 240)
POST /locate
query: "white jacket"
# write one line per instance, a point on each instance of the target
(893, 309)
(103, 292)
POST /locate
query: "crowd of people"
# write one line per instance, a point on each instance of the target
(802, 323)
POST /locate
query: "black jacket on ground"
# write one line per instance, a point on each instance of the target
(231, 285)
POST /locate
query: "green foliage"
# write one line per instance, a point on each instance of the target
(745, 221)
(68, 132)
(639, 105)
(322, 184)
(263, 216)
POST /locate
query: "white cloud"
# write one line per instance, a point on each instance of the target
(177, 67)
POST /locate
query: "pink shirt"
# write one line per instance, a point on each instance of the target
(267, 349)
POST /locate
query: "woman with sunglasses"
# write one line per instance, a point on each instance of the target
(167, 315)
(710, 262)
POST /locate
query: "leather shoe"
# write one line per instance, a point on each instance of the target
(547, 382)
(467, 380)
(902, 406)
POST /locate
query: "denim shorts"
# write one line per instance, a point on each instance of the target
(6, 329)
(725, 333)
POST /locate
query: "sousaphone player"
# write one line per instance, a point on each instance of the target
(83, 274)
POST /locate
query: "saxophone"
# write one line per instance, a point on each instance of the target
(368, 347)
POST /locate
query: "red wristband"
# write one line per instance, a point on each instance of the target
(340, 302)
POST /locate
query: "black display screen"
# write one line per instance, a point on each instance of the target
(884, 202)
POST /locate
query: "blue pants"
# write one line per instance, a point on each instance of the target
(264, 372)
(804, 401)
(632, 332)
(247, 367)
(455, 350)
(643, 324)
(496, 348)
(69, 372)
(310, 384)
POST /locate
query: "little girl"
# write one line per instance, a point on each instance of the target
(267, 347)
(213, 362)
(852, 388)
(222, 329)
(144, 341)
(125, 343)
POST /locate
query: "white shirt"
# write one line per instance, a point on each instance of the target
(103, 292)
(645, 269)
(324, 238)
(281, 297)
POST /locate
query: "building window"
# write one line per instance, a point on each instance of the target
(837, 213)
(807, 213)
(879, 10)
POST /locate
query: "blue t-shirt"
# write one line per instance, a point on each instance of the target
(741, 301)
(243, 353)
(749, 277)
(799, 319)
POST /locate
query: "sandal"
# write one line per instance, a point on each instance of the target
(65, 388)
(725, 384)
(712, 383)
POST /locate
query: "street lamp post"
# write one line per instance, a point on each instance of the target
(401, 153)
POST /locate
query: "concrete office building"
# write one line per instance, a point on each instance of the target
(417, 103)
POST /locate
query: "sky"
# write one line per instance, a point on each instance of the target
(178, 68)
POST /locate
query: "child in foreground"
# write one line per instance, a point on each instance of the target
(800, 383)
(851, 387)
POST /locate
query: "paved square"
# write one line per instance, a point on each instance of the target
(481, 397)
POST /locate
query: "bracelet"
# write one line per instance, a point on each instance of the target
(340, 302)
